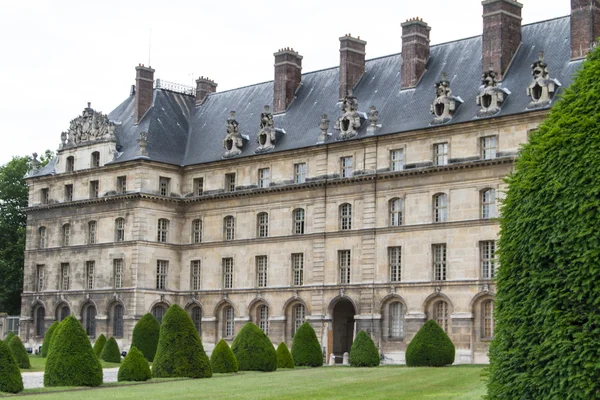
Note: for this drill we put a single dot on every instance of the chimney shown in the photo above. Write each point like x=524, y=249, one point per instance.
x=501, y=34
x=415, y=51
x=204, y=86
x=352, y=63
x=144, y=83
x=585, y=26
x=288, y=74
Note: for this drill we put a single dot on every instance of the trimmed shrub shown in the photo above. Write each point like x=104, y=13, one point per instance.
x=222, y=359
x=363, y=352
x=71, y=359
x=180, y=352
x=10, y=376
x=134, y=367
x=111, y=352
x=19, y=353
x=284, y=357
x=99, y=345
x=145, y=336
x=430, y=347
x=48, y=338
x=9, y=337
x=306, y=350
x=254, y=350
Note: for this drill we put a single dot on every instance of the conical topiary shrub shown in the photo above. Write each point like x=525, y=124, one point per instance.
x=430, y=347
x=145, y=336
x=134, y=367
x=19, y=353
x=71, y=359
x=111, y=352
x=99, y=345
x=222, y=359
x=284, y=357
x=180, y=352
x=254, y=350
x=10, y=376
x=306, y=350
x=48, y=338
x=8, y=337
x=363, y=352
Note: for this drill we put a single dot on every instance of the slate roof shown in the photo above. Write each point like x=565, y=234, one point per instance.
x=181, y=133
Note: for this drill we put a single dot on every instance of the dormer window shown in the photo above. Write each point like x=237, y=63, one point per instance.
x=95, y=163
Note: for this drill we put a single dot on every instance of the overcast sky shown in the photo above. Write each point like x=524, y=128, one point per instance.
x=58, y=55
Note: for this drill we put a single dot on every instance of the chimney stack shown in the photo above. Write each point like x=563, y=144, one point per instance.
x=501, y=34
x=204, y=86
x=585, y=26
x=288, y=75
x=352, y=63
x=144, y=88
x=415, y=51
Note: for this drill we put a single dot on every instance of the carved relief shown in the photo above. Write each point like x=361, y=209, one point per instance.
x=491, y=95
x=445, y=105
x=349, y=121
x=143, y=143
x=373, y=117
x=267, y=137
x=233, y=141
x=542, y=89
x=91, y=126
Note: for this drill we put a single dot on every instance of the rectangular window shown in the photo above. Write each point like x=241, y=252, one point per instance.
x=164, y=186
x=230, y=182
x=227, y=273
x=64, y=276
x=397, y=160
x=120, y=230
x=396, y=321
x=162, y=267
x=121, y=184
x=299, y=221
x=300, y=173
x=229, y=228
x=347, y=167
x=264, y=177
x=94, y=189
x=118, y=271
x=68, y=193
x=488, y=319
x=66, y=234
x=40, y=278
x=198, y=186
x=45, y=196
x=439, y=262
x=195, y=275
x=440, y=154
x=95, y=159
x=90, y=274
x=92, y=230
x=487, y=251
x=395, y=259
x=344, y=264
x=229, y=321
x=488, y=147
x=261, y=271
x=70, y=167
x=298, y=269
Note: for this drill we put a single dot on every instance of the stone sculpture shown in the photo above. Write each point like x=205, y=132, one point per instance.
x=349, y=121
x=445, y=105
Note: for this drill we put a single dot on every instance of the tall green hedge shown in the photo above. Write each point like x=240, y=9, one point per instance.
x=547, y=333
x=71, y=359
x=180, y=352
x=134, y=367
x=363, y=352
x=10, y=376
x=145, y=336
x=99, y=345
x=111, y=352
x=19, y=353
x=254, y=350
x=284, y=357
x=48, y=338
x=9, y=337
x=222, y=359
x=306, y=350
x=431, y=347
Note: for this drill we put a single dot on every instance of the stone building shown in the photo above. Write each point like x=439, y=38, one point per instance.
x=360, y=197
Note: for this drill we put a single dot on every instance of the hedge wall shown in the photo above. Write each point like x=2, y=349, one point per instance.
x=363, y=352
x=10, y=376
x=284, y=357
x=254, y=350
x=99, y=345
x=222, y=359
x=19, y=353
x=134, y=367
x=48, y=338
x=145, y=336
x=306, y=350
x=111, y=352
x=431, y=347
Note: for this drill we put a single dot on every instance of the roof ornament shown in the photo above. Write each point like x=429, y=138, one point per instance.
x=445, y=105
x=349, y=121
x=542, y=88
x=491, y=95
x=143, y=143
x=324, y=127
x=91, y=126
x=267, y=136
x=35, y=163
x=233, y=141
x=373, y=117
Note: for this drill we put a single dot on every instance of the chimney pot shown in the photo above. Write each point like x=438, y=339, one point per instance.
x=288, y=75
x=352, y=63
x=501, y=34
x=144, y=82
x=415, y=51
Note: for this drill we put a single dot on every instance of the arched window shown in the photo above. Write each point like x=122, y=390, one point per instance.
x=345, y=217
x=488, y=203
x=163, y=230
x=487, y=319
x=88, y=319
x=263, y=318
x=396, y=212
x=196, y=315
x=298, y=316
x=95, y=161
x=70, y=165
x=62, y=312
x=159, y=311
x=440, y=208
x=396, y=320
x=440, y=314
x=40, y=316
x=262, y=225
x=228, y=322
x=117, y=320
x=43, y=237
x=229, y=228
x=92, y=232
x=66, y=234
x=119, y=229
x=197, y=231
x=299, y=221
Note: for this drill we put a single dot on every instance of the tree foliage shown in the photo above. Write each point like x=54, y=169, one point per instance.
x=363, y=352
x=145, y=336
x=547, y=336
x=8, y=337
x=99, y=345
x=111, y=352
x=253, y=350
x=222, y=359
x=306, y=350
x=48, y=339
x=134, y=367
x=284, y=357
x=431, y=347
x=19, y=352
x=10, y=376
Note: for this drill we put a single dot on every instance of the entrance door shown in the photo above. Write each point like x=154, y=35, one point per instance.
x=343, y=328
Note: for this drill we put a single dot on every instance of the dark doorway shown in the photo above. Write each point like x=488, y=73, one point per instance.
x=343, y=328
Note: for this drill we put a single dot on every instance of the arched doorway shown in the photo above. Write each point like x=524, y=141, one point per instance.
x=343, y=327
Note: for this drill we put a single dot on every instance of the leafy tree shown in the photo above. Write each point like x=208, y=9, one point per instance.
x=284, y=357
x=546, y=343
x=363, y=352
x=431, y=347
x=222, y=359
x=8, y=337
x=111, y=352
x=306, y=350
x=48, y=338
x=254, y=350
x=145, y=336
x=99, y=345
x=134, y=367
x=10, y=375
x=19, y=352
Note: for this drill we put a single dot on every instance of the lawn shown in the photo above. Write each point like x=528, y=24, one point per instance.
x=39, y=363
x=389, y=382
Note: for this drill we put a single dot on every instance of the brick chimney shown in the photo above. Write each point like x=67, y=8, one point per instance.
x=501, y=34
x=144, y=86
x=204, y=86
x=415, y=51
x=585, y=26
x=352, y=63
x=288, y=75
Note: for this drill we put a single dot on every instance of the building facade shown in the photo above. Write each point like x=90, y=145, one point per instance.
x=361, y=197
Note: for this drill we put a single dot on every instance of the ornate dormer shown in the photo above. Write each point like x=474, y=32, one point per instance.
x=491, y=95
x=373, y=118
x=90, y=127
x=267, y=136
x=233, y=141
x=542, y=89
x=324, y=127
x=349, y=121
x=445, y=105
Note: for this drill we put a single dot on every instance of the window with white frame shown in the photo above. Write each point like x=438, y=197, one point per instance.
x=262, y=225
x=119, y=229
x=40, y=277
x=195, y=274
x=440, y=154
x=229, y=322
x=440, y=208
x=397, y=160
x=197, y=231
x=263, y=318
x=230, y=182
x=345, y=217
x=298, y=221
x=118, y=272
x=488, y=203
x=68, y=192
x=347, y=167
x=95, y=161
x=198, y=186
x=64, y=276
x=164, y=186
x=439, y=262
x=261, y=271
x=297, y=269
x=395, y=261
x=299, y=315
x=344, y=266
x=121, y=184
x=43, y=237
x=66, y=231
x=227, y=273
x=229, y=228
x=487, y=319
x=487, y=251
x=440, y=314
x=396, y=320
x=264, y=177
x=300, y=173
x=45, y=196
x=162, y=269
x=92, y=232
x=488, y=147
x=90, y=274
x=396, y=212
x=94, y=189
x=163, y=230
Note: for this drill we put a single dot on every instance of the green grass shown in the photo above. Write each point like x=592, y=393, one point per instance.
x=39, y=363
x=390, y=382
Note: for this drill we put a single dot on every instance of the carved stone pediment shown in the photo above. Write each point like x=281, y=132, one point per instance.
x=542, y=88
x=233, y=141
x=267, y=136
x=445, y=105
x=90, y=126
x=349, y=122
x=491, y=95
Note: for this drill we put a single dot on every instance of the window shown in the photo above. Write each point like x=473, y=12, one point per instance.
x=439, y=262
x=164, y=186
x=488, y=147
x=195, y=275
x=345, y=217
x=43, y=237
x=229, y=228
x=90, y=274
x=440, y=314
x=396, y=320
x=263, y=318
x=440, y=208
x=198, y=186
x=262, y=225
x=229, y=322
x=40, y=280
x=119, y=229
x=118, y=321
x=197, y=231
x=162, y=267
x=163, y=230
x=230, y=182
x=396, y=160
x=227, y=273
x=299, y=221
x=487, y=252
x=487, y=318
x=261, y=271
x=121, y=184
x=118, y=272
x=488, y=203
x=64, y=276
x=95, y=162
x=92, y=232
x=299, y=314
x=40, y=316
x=298, y=269
x=70, y=166
x=45, y=196
x=89, y=320
x=396, y=212
x=395, y=258
x=63, y=312
x=347, y=167
x=68, y=193
x=66, y=231
x=440, y=154
x=94, y=189
x=264, y=178
x=196, y=315
x=159, y=312
x=344, y=263
x=300, y=173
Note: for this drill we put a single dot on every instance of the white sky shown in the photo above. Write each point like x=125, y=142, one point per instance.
x=57, y=55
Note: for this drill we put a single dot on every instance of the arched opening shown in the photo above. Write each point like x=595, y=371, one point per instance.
x=196, y=316
x=39, y=317
x=62, y=312
x=159, y=312
x=88, y=319
x=343, y=328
